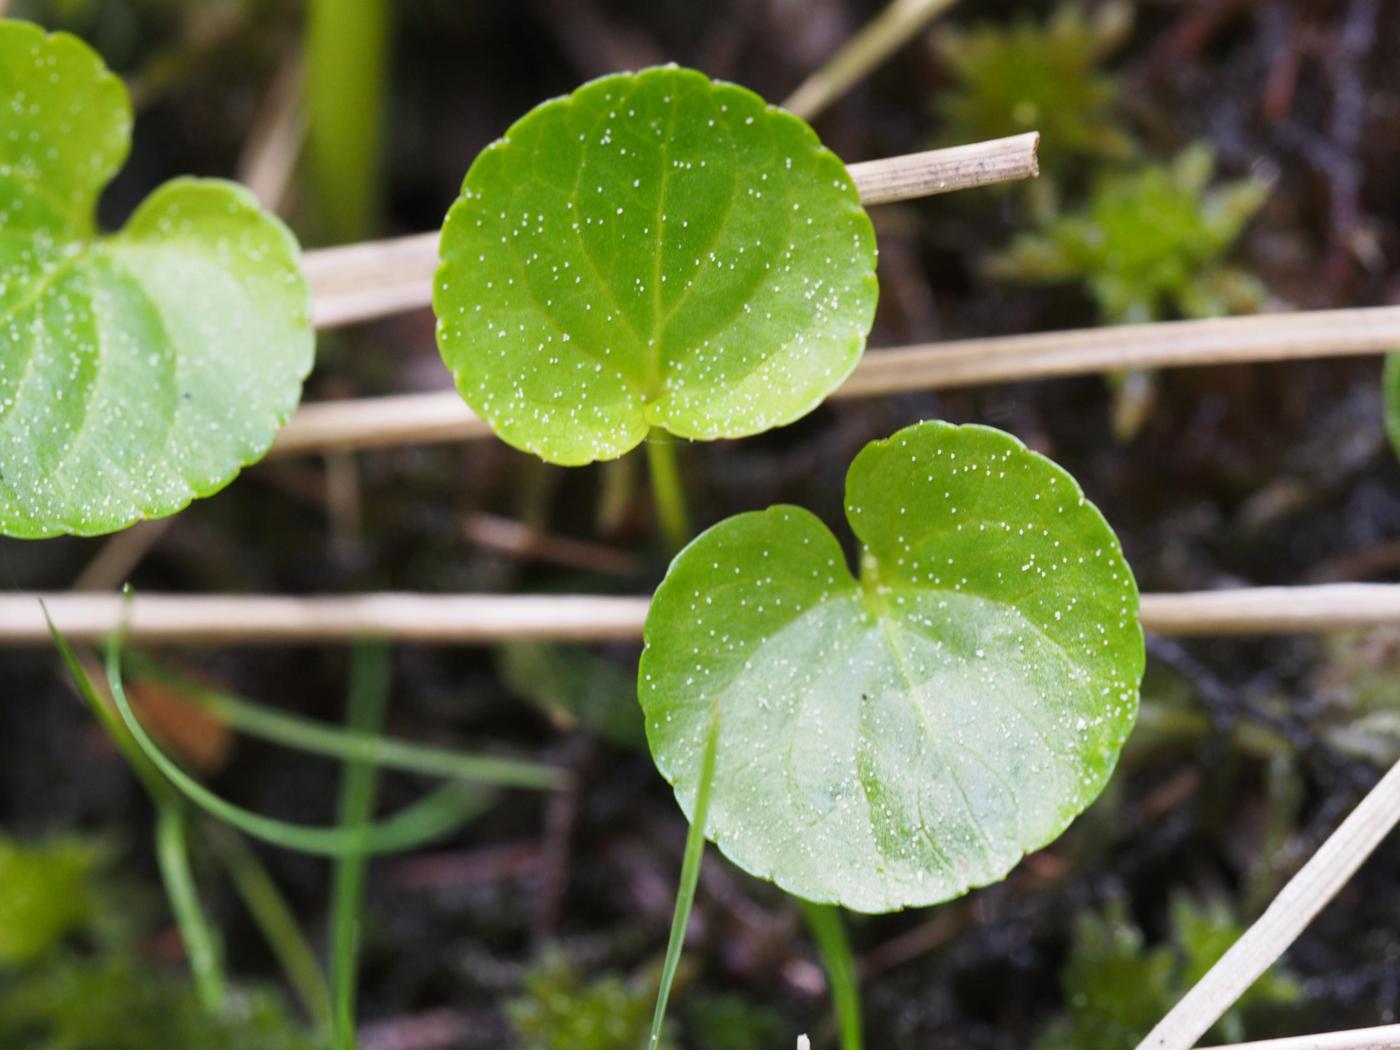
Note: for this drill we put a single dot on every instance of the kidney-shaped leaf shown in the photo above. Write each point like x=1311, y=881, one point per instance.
x=895, y=740
x=140, y=370
x=656, y=249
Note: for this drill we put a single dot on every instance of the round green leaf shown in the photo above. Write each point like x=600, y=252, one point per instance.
x=656, y=249
x=896, y=740
x=143, y=369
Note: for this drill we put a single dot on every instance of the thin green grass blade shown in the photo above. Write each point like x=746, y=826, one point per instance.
x=274, y=919
x=250, y=879
x=438, y=814
x=156, y=785
x=690, y=877
x=278, y=727
x=824, y=920
x=369, y=698
x=202, y=946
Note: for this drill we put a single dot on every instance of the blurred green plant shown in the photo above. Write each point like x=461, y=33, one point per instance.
x=1116, y=988
x=1150, y=244
x=1359, y=686
x=47, y=893
x=1031, y=77
x=559, y=1010
x=347, y=49
x=73, y=977
x=574, y=687
x=119, y=1002
x=734, y=1023
x=1390, y=400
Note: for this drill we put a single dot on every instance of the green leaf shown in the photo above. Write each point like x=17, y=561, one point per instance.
x=656, y=249
x=143, y=369
x=895, y=740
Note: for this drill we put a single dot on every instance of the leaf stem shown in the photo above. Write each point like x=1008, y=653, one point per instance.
x=667, y=491
x=369, y=696
x=346, y=55
x=690, y=878
x=824, y=920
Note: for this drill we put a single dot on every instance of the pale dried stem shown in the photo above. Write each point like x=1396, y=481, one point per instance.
x=945, y=170
x=1386, y=1037
x=467, y=619
x=274, y=143
x=357, y=282
x=119, y=556
x=1316, y=883
x=442, y=416
x=881, y=37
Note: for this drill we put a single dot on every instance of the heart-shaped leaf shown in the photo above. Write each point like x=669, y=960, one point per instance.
x=895, y=740
x=656, y=249
x=140, y=370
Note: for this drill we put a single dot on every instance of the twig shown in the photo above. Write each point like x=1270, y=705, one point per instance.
x=1171, y=344
x=1326, y=872
x=481, y=618
x=442, y=416
x=245, y=619
x=118, y=557
x=1386, y=1037
x=944, y=170
x=356, y=282
x=519, y=540
x=1272, y=610
x=886, y=33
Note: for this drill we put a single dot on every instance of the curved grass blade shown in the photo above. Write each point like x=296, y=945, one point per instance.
x=435, y=816
x=293, y=731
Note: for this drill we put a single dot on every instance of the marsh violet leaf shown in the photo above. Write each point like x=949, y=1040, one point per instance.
x=896, y=739
x=655, y=250
x=138, y=370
